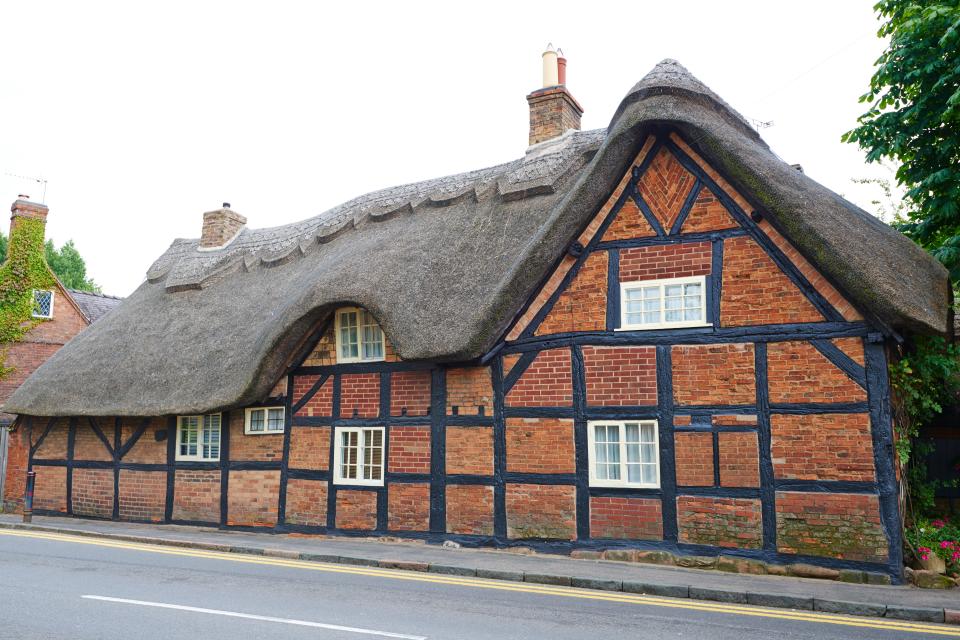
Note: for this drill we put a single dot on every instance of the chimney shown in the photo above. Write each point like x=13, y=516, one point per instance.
x=23, y=209
x=220, y=227
x=553, y=110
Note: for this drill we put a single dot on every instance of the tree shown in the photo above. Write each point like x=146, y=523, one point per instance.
x=914, y=119
x=66, y=262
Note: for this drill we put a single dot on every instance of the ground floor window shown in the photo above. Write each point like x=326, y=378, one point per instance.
x=198, y=437
x=358, y=456
x=623, y=453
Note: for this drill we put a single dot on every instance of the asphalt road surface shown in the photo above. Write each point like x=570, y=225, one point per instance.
x=55, y=586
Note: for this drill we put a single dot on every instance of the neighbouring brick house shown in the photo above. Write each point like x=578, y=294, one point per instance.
x=656, y=336
x=61, y=313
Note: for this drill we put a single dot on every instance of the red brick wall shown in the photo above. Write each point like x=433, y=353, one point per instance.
x=617, y=376
x=833, y=525
x=360, y=395
x=50, y=490
x=714, y=374
x=664, y=187
x=541, y=511
x=252, y=498
x=799, y=373
x=468, y=389
x=739, y=459
x=54, y=446
x=755, y=291
x=143, y=495
x=356, y=509
x=410, y=393
x=722, y=522
x=16, y=474
x=470, y=450
x=146, y=450
x=310, y=448
x=24, y=358
x=408, y=507
x=629, y=223
x=409, y=450
x=583, y=304
x=307, y=502
x=321, y=403
x=264, y=447
x=627, y=518
x=93, y=492
x=469, y=509
x=707, y=214
x=826, y=446
x=540, y=445
x=694, y=458
x=547, y=382
x=196, y=495
x=87, y=446
x=853, y=347
x=665, y=261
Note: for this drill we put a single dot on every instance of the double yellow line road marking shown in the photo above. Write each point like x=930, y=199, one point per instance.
x=883, y=624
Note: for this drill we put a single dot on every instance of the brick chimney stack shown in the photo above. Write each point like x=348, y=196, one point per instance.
x=553, y=110
x=220, y=227
x=23, y=209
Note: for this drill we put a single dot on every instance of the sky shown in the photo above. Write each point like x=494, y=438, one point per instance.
x=140, y=117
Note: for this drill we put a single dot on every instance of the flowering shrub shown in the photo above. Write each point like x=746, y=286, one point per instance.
x=936, y=537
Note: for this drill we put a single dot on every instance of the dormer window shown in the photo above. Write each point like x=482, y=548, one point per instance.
x=359, y=338
x=42, y=303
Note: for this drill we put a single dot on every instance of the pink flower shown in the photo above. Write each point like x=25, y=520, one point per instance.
x=924, y=556
x=956, y=556
x=945, y=545
x=939, y=524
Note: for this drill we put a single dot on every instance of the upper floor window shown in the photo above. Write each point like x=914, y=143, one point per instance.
x=359, y=338
x=198, y=437
x=42, y=303
x=623, y=453
x=263, y=420
x=661, y=304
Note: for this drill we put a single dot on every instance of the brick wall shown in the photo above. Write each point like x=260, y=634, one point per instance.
x=714, y=374
x=356, y=509
x=196, y=495
x=629, y=223
x=694, y=459
x=722, y=522
x=143, y=495
x=756, y=291
x=707, y=214
x=798, y=372
x=470, y=450
x=16, y=473
x=739, y=459
x=50, y=490
x=665, y=261
x=306, y=502
x=310, y=448
x=252, y=498
x=263, y=447
x=360, y=395
x=87, y=446
x=546, y=382
x=853, y=347
x=321, y=403
x=409, y=450
x=54, y=446
x=827, y=446
x=469, y=389
x=469, y=509
x=541, y=511
x=626, y=518
x=147, y=450
x=664, y=187
x=583, y=304
x=410, y=393
x=408, y=507
x=617, y=376
x=540, y=445
x=93, y=492
x=833, y=525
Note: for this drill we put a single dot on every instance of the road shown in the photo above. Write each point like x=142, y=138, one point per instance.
x=54, y=586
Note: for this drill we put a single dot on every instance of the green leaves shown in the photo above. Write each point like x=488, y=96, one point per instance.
x=66, y=262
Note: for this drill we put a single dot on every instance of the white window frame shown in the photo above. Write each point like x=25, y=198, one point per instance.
x=622, y=481
x=663, y=283
x=361, y=442
x=198, y=456
x=53, y=296
x=266, y=414
x=359, y=358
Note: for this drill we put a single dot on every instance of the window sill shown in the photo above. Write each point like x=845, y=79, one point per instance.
x=263, y=433
x=655, y=327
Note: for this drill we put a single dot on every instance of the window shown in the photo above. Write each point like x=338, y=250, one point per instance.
x=358, y=457
x=359, y=338
x=659, y=304
x=624, y=454
x=42, y=303
x=198, y=437
x=263, y=420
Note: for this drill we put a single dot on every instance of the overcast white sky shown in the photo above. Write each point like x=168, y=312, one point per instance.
x=141, y=117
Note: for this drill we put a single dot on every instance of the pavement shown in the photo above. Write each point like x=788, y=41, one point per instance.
x=878, y=601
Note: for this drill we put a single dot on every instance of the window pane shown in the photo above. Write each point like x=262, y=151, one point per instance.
x=348, y=455
x=275, y=420
x=649, y=473
x=42, y=304
x=607, y=452
x=256, y=420
x=189, y=427
x=673, y=290
x=349, y=347
x=211, y=437
x=372, y=454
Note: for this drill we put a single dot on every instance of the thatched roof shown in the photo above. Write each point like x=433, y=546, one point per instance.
x=445, y=264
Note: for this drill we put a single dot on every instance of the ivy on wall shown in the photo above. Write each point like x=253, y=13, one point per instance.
x=24, y=270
